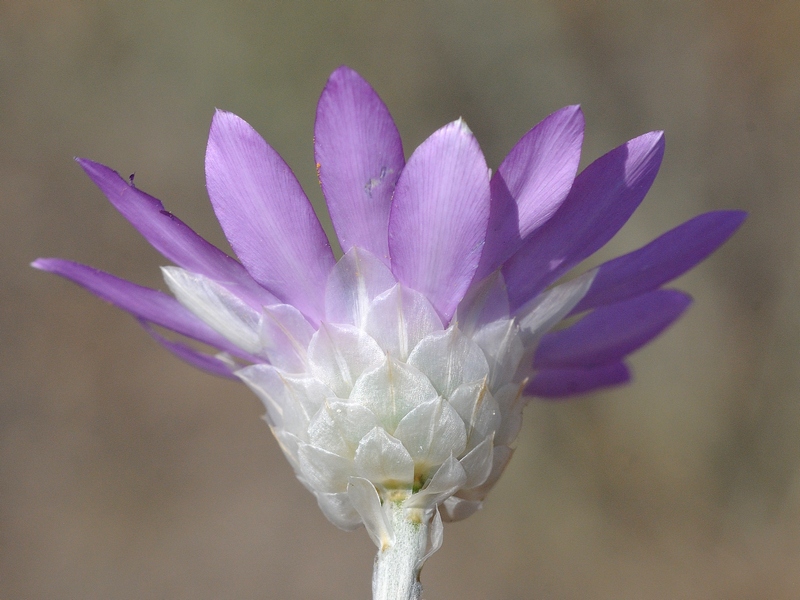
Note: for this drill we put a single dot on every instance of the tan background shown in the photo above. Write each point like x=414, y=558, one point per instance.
x=125, y=474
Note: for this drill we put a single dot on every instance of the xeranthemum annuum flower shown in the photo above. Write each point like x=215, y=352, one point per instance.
x=398, y=374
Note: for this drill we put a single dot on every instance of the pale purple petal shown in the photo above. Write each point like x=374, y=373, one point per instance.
x=201, y=360
x=172, y=237
x=438, y=220
x=661, y=260
x=267, y=218
x=611, y=332
x=560, y=383
x=359, y=158
x=531, y=184
x=601, y=200
x=145, y=303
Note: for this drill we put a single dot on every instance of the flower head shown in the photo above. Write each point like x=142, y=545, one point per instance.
x=399, y=372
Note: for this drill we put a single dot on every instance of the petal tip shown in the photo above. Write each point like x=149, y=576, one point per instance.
x=682, y=299
x=673, y=303
x=667, y=300
x=573, y=110
x=462, y=126
x=94, y=169
x=343, y=71
x=736, y=217
x=727, y=222
x=43, y=264
x=223, y=118
x=578, y=113
x=658, y=137
x=650, y=142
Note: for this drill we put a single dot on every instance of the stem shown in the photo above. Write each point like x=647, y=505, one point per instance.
x=397, y=566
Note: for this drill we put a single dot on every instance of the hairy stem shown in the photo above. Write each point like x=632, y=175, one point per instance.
x=397, y=565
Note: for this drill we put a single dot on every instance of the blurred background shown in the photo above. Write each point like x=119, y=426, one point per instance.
x=126, y=474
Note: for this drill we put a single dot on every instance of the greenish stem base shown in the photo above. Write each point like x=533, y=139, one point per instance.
x=397, y=566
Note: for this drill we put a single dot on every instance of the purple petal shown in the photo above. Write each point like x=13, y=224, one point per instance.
x=173, y=238
x=661, y=260
x=267, y=218
x=145, y=303
x=560, y=383
x=359, y=158
x=201, y=360
x=601, y=200
x=438, y=219
x=610, y=333
x=531, y=184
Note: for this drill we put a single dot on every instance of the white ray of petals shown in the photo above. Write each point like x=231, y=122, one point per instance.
x=285, y=334
x=449, y=358
x=384, y=460
x=325, y=471
x=547, y=309
x=432, y=432
x=216, y=306
x=339, y=354
x=478, y=409
x=477, y=463
x=391, y=391
x=339, y=510
x=357, y=278
x=399, y=318
x=449, y=478
x=366, y=501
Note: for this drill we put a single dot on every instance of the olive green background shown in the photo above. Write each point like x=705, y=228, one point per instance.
x=125, y=474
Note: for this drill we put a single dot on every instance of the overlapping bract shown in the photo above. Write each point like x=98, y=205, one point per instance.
x=399, y=373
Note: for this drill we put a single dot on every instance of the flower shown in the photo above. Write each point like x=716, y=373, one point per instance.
x=398, y=373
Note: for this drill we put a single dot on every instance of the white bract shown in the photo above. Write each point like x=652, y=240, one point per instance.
x=381, y=402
